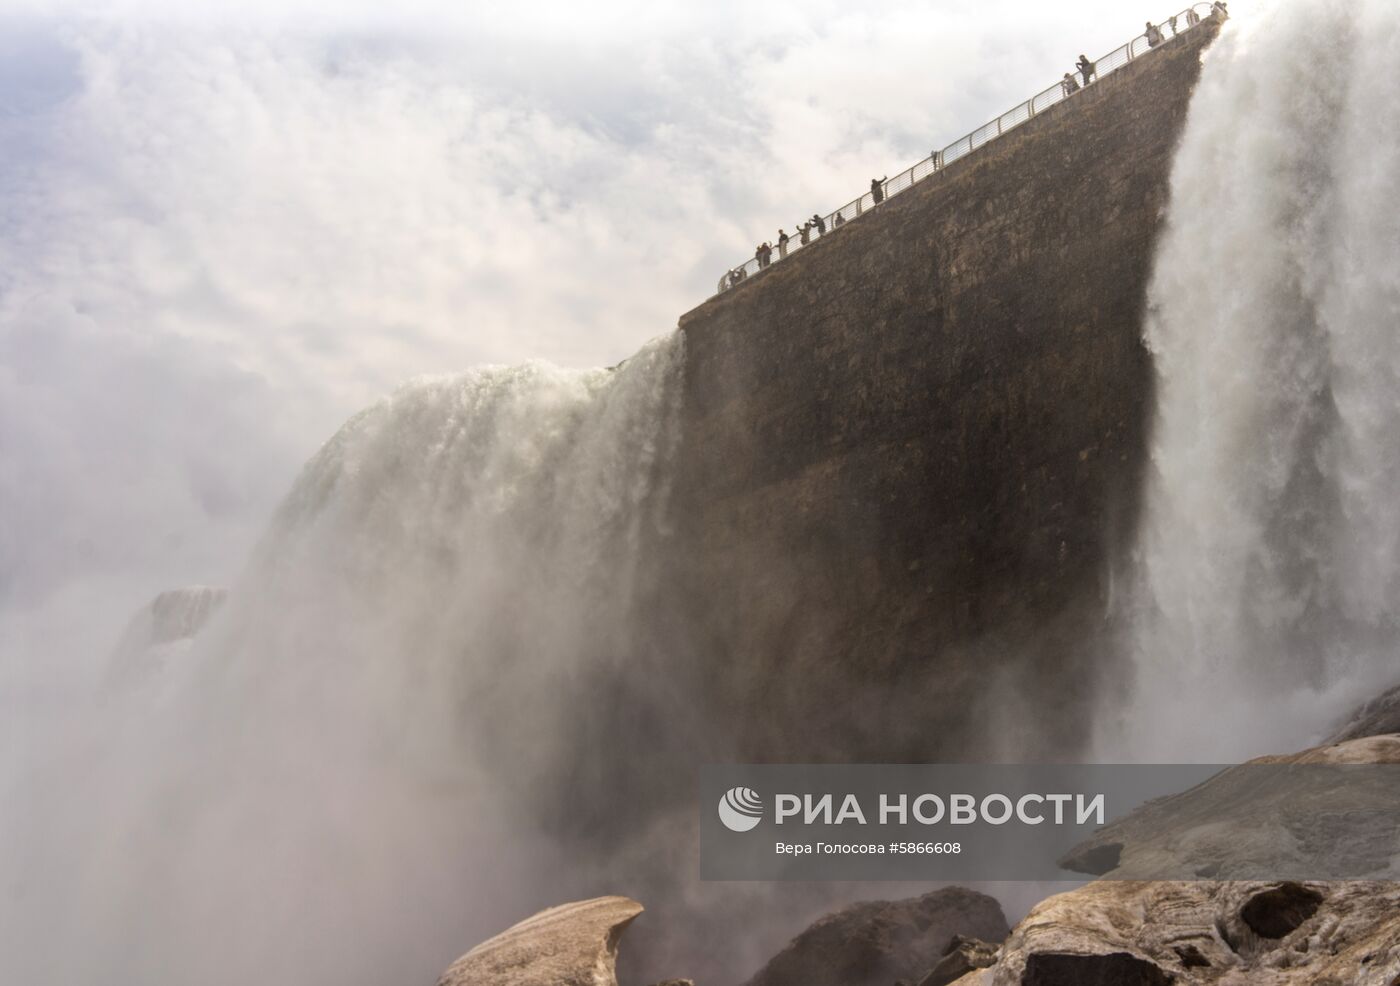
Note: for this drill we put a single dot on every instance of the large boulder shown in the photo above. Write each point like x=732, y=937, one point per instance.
x=1262, y=819
x=569, y=945
x=1119, y=933
x=876, y=943
x=1216, y=932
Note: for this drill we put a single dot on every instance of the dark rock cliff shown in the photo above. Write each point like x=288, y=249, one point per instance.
x=913, y=451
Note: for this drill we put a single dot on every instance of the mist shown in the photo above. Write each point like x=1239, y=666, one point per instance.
x=1267, y=570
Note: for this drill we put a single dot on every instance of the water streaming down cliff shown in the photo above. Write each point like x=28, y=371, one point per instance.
x=365, y=761
x=470, y=542
x=1267, y=590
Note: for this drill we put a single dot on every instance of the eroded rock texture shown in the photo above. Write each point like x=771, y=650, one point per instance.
x=1217, y=933
x=1212, y=934
x=569, y=945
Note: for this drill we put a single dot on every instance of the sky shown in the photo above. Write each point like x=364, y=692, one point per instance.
x=221, y=233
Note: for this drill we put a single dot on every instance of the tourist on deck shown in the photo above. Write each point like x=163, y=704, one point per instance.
x=804, y=233
x=877, y=189
x=1086, y=68
x=761, y=255
x=838, y=220
x=819, y=223
x=1218, y=9
x=1154, y=35
x=1068, y=84
x=1192, y=18
x=782, y=244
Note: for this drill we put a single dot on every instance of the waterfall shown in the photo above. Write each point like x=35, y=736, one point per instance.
x=364, y=762
x=1267, y=572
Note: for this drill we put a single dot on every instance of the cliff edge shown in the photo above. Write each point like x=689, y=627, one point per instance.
x=913, y=451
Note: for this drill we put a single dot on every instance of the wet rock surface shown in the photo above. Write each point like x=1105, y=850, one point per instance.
x=1262, y=819
x=1377, y=717
x=569, y=945
x=876, y=943
x=962, y=956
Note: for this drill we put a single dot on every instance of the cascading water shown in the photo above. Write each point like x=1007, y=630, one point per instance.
x=1267, y=589
x=365, y=762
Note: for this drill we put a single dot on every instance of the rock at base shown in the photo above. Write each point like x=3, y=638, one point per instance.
x=962, y=956
x=569, y=945
x=876, y=943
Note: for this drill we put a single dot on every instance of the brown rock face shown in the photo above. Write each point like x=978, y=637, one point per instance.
x=569, y=945
x=912, y=448
x=876, y=943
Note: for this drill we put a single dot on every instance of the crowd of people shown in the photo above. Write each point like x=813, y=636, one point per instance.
x=1084, y=68
x=1154, y=35
x=807, y=231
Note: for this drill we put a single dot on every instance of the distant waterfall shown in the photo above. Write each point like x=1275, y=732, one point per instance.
x=471, y=542
x=1268, y=567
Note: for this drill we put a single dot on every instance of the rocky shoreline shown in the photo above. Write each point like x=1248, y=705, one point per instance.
x=1112, y=932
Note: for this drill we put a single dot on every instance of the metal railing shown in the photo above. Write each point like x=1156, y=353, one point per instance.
x=963, y=146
